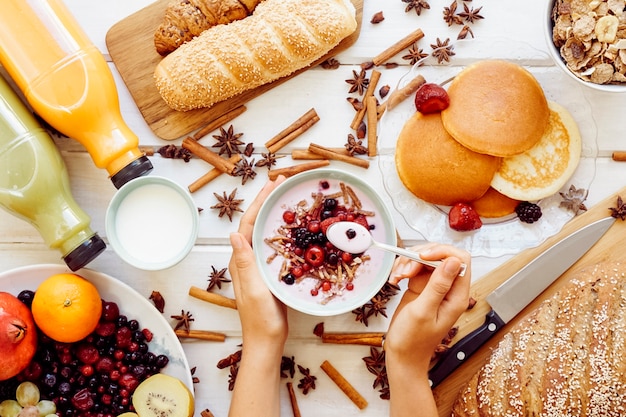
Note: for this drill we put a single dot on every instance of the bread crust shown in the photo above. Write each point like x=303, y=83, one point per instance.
x=567, y=358
x=279, y=38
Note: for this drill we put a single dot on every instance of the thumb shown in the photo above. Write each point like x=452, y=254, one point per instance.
x=440, y=283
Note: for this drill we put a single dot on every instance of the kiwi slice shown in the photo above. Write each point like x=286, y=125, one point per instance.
x=163, y=395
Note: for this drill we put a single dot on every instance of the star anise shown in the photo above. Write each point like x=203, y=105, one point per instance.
x=375, y=364
x=216, y=278
x=287, y=367
x=184, y=320
x=228, y=205
x=228, y=141
x=249, y=149
x=158, y=300
x=574, y=199
x=358, y=82
x=377, y=305
x=354, y=146
x=245, y=170
x=194, y=378
x=416, y=5
x=620, y=210
x=232, y=376
x=174, y=152
x=268, y=160
x=466, y=30
x=330, y=63
x=307, y=382
x=442, y=50
x=450, y=16
x=229, y=360
x=470, y=14
x=415, y=54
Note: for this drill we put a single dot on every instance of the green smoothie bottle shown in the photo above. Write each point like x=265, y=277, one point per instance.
x=34, y=184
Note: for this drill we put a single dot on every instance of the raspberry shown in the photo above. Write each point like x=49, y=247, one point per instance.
x=528, y=212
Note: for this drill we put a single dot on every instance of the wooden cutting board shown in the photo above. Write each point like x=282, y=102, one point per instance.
x=609, y=248
x=131, y=45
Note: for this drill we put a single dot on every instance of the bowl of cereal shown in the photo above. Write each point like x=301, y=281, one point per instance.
x=299, y=265
x=587, y=40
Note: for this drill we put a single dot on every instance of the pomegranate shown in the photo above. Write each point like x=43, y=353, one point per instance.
x=18, y=336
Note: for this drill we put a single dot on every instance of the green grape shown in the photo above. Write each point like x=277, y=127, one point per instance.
x=9, y=408
x=27, y=393
x=46, y=407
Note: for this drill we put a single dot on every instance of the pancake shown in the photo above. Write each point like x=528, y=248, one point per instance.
x=436, y=168
x=542, y=170
x=494, y=204
x=497, y=108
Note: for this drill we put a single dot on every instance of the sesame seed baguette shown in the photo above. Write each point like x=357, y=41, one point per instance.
x=565, y=359
x=279, y=38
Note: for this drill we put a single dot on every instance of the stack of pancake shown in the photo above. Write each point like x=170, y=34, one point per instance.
x=499, y=142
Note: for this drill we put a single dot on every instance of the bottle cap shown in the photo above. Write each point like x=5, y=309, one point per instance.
x=137, y=168
x=85, y=252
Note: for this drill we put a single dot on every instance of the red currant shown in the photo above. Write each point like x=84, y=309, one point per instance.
x=326, y=286
x=297, y=271
x=349, y=286
x=314, y=292
x=289, y=216
x=346, y=257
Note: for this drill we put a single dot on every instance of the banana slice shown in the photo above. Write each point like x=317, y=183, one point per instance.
x=163, y=395
x=606, y=28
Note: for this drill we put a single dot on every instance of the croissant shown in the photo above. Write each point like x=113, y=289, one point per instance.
x=279, y=38
x=567, y=358
x=186, y=19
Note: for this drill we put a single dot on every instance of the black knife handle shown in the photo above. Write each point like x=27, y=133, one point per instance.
x=464, y=348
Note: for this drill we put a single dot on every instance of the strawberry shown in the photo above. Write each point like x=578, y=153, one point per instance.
x=431, y=98
x=362, y=220
x=463, y=218
x=325, y=224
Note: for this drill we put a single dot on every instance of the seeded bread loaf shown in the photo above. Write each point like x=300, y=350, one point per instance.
x=567, y=358
x=183, y=20
x=279, y=38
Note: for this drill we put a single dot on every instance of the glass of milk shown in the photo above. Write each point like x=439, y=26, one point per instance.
x=152, y=223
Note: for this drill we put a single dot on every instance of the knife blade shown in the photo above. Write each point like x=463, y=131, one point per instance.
x=513, y=295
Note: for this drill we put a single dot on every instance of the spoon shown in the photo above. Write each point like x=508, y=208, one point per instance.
x=353, y=237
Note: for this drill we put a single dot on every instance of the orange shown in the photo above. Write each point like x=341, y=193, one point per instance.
x=66, y=307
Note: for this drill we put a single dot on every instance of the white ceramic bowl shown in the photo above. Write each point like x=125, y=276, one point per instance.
x=558, y=60
x=370, y=276
x=152, y=223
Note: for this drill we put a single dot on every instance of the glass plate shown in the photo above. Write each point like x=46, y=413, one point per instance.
x=130, y=302
x=505, y=235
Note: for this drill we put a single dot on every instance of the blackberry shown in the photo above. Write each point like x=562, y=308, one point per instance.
x=528, y=212
x=302, y=237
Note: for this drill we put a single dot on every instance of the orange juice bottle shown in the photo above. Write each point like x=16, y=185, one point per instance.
x=34, y=184
x=67, y=81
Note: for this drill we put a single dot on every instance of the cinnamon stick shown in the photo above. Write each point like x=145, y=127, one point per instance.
x=291, y=132
x=372, y=128
x=619, y=156
x=210, y=176
x=208, y=155
x=201, y=335
x=398, y=96
x=293, y=400
x=344, y=385
x=368, y=339
x=398, y=47
x=371, y=87
x=212, y=298
x=222, y=120
x=329, y=154
x=296, y=169
x=305, y=154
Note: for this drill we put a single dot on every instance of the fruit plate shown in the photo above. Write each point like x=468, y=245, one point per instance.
x=369, y=277
x=506, y=235
x=130, y=302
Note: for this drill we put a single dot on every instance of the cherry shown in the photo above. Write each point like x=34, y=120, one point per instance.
x=314, y=255
x=110, y=311
x=297, y=271
x=289, y=216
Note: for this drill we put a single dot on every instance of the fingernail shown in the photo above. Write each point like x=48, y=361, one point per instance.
x=236, y=240
x=451, y=267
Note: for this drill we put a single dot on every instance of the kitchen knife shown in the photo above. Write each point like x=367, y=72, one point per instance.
x=518, y=291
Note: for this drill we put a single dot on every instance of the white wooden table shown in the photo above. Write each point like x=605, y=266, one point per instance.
x=325, y=90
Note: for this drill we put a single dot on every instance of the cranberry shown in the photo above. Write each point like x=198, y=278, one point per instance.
x=128, y=381
x=314, y=255
x=289, y=216
x=105, y=328
x=147, y=334
x=110, y=311
x=83, y=400
x=123, y=337
x=87, y=354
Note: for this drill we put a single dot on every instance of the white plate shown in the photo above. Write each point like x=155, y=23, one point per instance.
x=130, y=302
x=503, y=236
x=370, y=277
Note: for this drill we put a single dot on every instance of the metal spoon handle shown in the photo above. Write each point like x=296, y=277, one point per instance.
x=411, y=255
